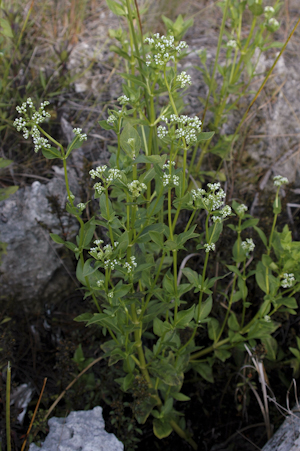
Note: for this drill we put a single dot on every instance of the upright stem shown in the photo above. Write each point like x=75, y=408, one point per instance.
x=7, y=407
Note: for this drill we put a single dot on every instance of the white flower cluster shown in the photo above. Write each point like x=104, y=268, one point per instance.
x=288, y=280
x=81, y=206
x=163, y=50
x=168, y=163
x=162, y=131
x=279, y=180
x=104, y=255
x=114, y=174
x=269, y=10
x=248, y=246
x=197, y=194
x=241, y=209
x=169, y=179
x=98, y=172
x=136, y=187
x=212, y=201
x=130, y=266
x=32, y=120
x=100, y=283
x=188, y=127
x=226, y=211
x=38, y=141
x=123, y=100
x=209, y=247
x=273, y=23
x=184, y=79
x=81, y=136
x=99, y=188
x=111, y=119
x=231, y=44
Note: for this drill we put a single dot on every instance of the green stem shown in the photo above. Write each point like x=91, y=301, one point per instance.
x=7, y=407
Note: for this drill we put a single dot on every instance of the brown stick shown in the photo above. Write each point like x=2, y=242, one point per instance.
x=34, y=414
x=70, y=385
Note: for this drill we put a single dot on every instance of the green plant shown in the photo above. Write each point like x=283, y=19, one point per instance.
x=136, y=273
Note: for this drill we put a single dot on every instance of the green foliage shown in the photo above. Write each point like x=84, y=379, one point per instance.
x=131, y=274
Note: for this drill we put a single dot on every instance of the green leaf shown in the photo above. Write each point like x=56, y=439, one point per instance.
x=154, y=159
x=161, y=429
x=260, y=276
x=166, y=372
x=127, y=383
x=87, y=268
x=51, y=153
x=205, y=310
x=256, y=9
x=106, y=321
x=145, y=407
x=88, y=232
x=192, y=276
x=180, y=397
x=116, y=8
x=79, y=272
x=204, y=370
x=57, y=239
x=134, y=79
x=271, y=346
x=105, y=125
x=5, y=29
x=204, y=136
x=233, y=322
x=4, y=162
x=213, y=329
x=129, y=133
x=249, y=223
x=5, y=193
x=184, y=318
x=160, y=328
x=222, y=354
x=83, y=317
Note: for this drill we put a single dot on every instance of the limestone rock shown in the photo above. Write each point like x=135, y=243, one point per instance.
x=82, y=430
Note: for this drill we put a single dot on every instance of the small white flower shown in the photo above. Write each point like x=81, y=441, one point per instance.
x=123, y=100
x=267, y=318
x=114, y=174
x=161, y=132
x=279, y=180
x=248, y=246
x=184, y=79
x=81, y=136
x=99, y=188
x=98, y=172
x=136, y=187
x=288, y=280
x=269, y=9
x=232, y=44
x=111, y=119
x=241, y=209
x=81, y=206
x=167, y=164
x=209, y=247
x=273, y=23
x=100, y=283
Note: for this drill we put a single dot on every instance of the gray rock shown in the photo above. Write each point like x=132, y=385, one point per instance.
x=287, y=438
x=82, y=431
x=32, y=268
